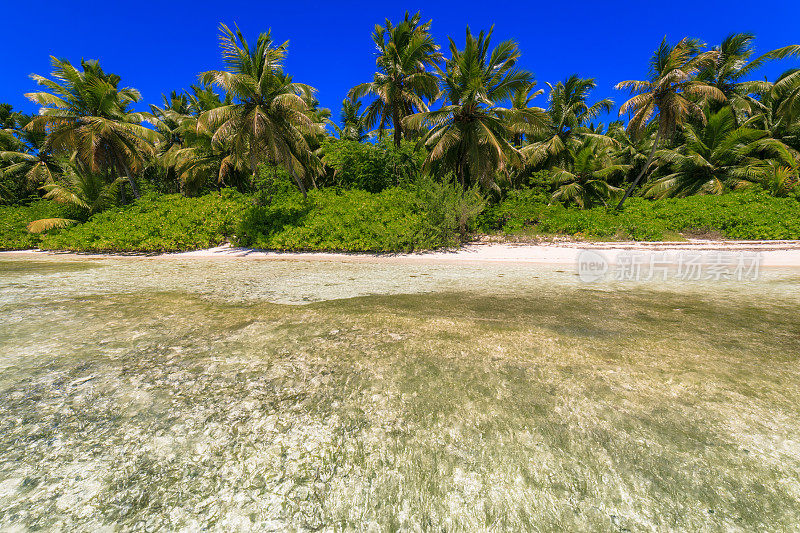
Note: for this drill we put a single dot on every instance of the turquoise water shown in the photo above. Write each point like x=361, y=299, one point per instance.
x=246, y=394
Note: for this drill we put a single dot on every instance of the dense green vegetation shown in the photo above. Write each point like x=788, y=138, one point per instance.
x=742, y=215
x=14, y=221
x=371, y=167
x=420, y=216
x=707, y=147
x=166, y=223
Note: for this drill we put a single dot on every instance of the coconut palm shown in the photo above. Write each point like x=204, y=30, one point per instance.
x=469, y=135
x=87, y=114
x=353, y=127
x=186, y=151
x=569, y=114
x=584, y=180
x=770, y=107
x=787, y=90
x=671, y=96
x=86, y=192
x=169, y=119
x=733, y=63
x=24, y=156
x=270, y=116
x=403, y=82
x=718, y=157
x=632, y=151
x=781, y=178
x=521, y=101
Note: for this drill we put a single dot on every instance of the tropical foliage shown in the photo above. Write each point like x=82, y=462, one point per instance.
x=88, y=117
x=700, y=122
x=469, y=134
x=271, y=117
x=403, y=81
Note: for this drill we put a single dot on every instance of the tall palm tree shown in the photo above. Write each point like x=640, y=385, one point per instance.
x=718, y=157
x=270, y=116
x=671, y=95
x=186, y=152
x=87, y=114
x=733, y=63
x=470, y=132
x=521, y=101
x=403, y=82
x=771, y=107
x=569, y=114
x=23, y=155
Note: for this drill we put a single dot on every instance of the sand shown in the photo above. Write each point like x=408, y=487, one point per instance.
x=772, y=253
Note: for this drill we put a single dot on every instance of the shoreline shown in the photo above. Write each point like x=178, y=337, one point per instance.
x=773, y=253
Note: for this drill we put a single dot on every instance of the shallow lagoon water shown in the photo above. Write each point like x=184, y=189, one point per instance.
x=273, y=395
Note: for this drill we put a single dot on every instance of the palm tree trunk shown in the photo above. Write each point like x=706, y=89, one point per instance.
x=632, y=186
x=398, y=131
x=134, y=188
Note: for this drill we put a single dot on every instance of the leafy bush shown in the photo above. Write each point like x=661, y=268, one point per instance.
x=425, y=215
x=15, y=189
x=14, y=220
x=168, y=223
x=748, y=215
x=371, y=167
x=519, y=209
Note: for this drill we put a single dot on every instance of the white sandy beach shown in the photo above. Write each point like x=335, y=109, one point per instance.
x=772, y=253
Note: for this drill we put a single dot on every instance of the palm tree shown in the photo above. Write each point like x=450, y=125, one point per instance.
x=584, y=180
x=732, y=64
x=270, y=116
x=86, y=192
x=670, y=96
x=787, y=90
x=353, y=127
x=186, y=151
x=169, y=118
x=402, y=82
x=470, y=132
x=770, y=107
x=569, y=114
x=718, y=157
x=86, y=114
x=24, y=155
x=521, y=101
x=632, y=151
x=781, y=178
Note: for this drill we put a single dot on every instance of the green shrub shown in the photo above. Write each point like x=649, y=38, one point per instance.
x=153, y=224
x=14, y=220
x=422, y=216
x=747, y=215
x=519, y=209
x=371, y=167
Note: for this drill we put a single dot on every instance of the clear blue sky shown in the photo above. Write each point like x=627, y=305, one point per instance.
x=157, y=46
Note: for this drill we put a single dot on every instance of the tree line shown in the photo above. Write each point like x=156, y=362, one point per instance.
x=699, y=122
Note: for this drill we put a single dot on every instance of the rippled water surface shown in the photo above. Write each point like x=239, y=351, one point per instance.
x=187, y=394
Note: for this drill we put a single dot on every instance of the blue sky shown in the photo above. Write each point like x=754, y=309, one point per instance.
x=160, y=46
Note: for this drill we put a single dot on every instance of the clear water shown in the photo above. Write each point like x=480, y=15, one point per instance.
x=273, y=395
